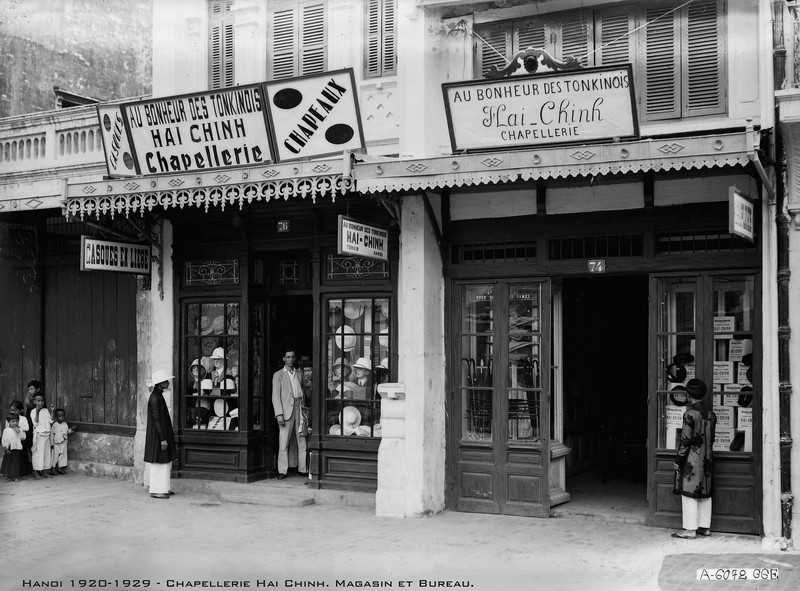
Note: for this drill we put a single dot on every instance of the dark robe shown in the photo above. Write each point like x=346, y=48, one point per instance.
x=159, y=428
x=695, y=453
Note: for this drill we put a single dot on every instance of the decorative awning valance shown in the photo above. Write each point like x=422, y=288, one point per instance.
x=557, y=162
x=222, y=188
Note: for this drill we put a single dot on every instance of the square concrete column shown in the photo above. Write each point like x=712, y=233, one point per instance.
x=390, y=498
x=421, y=360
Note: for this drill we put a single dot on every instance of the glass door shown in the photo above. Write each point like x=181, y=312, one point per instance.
x=502, y=426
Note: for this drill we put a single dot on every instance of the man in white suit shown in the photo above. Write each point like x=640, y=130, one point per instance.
x=287, y=398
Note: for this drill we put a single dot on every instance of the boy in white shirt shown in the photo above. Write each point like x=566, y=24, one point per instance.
x=12, y=440
x=59, y=433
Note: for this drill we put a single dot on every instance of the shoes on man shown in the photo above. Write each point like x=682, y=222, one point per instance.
x=52, y=472
x=159, y=495
x=43, y=474
x=685, y=534
x=36, y=475
x=61, y=471
x=281, y=476
x=170, y=493
x=703, y=531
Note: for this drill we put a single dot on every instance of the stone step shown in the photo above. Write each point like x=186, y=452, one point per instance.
x=272, y=499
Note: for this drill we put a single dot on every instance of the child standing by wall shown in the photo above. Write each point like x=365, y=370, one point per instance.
x=24, y=426
x=60, y=431
x=12, y=442
x=41, y=421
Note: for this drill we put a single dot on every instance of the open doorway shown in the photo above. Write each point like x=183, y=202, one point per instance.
x=605, y=344
x=291, y=324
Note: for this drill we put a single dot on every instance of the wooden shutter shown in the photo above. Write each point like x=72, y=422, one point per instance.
x=380, y=55
x=495, y=49
x=313, y=38
x=574, y=38
x=531, y=33
x=614, y=41
x=661, y=67
x=284, y=42
x=703, y=72
x=220, y=44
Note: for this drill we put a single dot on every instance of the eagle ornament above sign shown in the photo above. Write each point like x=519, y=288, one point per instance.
x=568, y=104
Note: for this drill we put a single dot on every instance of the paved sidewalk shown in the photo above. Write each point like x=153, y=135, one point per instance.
x=82, y=532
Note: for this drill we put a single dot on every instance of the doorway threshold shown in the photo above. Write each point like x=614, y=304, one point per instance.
x=617, y=500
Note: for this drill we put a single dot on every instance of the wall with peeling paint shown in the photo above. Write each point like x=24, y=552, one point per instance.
x=96, y=48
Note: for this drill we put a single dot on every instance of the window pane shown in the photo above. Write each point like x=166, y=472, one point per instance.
x=477, y=371
x=524, y=363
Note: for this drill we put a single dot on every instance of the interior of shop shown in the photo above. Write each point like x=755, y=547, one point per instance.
x=605, y=349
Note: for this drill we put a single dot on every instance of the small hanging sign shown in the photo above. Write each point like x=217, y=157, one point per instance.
x=102, y=255
x=741, y=213
x=360, y=239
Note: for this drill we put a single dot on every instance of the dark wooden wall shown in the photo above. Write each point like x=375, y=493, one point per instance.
x=90, y=344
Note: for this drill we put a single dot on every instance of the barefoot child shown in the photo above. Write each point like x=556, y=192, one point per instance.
x=12, y=442
x=60, y=432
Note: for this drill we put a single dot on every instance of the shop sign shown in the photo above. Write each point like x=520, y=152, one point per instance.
x=741, y=213
x=198, y=132
x=314, y=115
x=360, y=239
x=117, y=147
x=102, y=255
x=573, y=106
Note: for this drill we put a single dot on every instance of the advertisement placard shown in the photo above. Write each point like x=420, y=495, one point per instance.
x=741, y=214
x=116, y=145
x=360, y=239
x=553, y=108
x=198, y=132
x=124, y=257
x=315, y=115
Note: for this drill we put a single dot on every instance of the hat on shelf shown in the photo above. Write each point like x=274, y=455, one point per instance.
x=363, y=363
x=384, y=364
x=676, y=373
x=219, y=353
x=683, y=358
x=678, y=396
x=206, y=386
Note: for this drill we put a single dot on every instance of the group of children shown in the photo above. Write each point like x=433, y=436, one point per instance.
x=34, y=438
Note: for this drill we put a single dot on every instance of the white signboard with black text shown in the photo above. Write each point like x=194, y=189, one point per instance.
x=561, y=107
x=741, y=214
x=315, y=115
x=216, y=129
x=359, y=239
x=117, y=148
x=102, y=255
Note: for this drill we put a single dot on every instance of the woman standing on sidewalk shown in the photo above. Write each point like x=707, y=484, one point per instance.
x=159, y=445
x=694, y=464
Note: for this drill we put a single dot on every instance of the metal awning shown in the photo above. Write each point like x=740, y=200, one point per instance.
x=219, y=188
x=675, y=153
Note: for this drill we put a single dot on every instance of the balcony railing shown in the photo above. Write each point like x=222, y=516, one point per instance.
x=49, y=141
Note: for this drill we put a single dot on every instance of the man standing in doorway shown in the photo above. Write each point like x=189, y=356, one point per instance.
x=287, y=400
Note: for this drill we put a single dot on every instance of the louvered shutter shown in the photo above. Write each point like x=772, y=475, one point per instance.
x=284, y=42
x=220, y=44
x=661, y=68
x=703, y=39
x=313, y=38
x=372, y=57
x=389, y=37
x=614, y=39
x=575, y=38
x=494, y=49
x=530, y=33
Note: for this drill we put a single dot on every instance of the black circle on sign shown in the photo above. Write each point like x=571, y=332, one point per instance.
x=288, y=98
x=341, y=133
x=127, y=159
x=107, y=122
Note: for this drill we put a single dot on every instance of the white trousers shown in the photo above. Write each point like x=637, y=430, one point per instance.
x=60, y=455
x=160, y=478
x=696, y=513
x=290, y=433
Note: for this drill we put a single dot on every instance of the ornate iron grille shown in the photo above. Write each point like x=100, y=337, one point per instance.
x=225, y=272
x=342, y=267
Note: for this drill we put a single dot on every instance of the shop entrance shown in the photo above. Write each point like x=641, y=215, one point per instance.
x=291, y=324
x=605, y=393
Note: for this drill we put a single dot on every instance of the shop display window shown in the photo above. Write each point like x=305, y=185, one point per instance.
x=358, y=358
x=524, y=363
x=212, y=365
x=477, y=365
x=257, y=361
x=685, y=336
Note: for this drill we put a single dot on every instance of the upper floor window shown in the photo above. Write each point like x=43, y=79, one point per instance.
x=299, y=40
x=380, y=55
x=220, y=43
x=677, y=50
